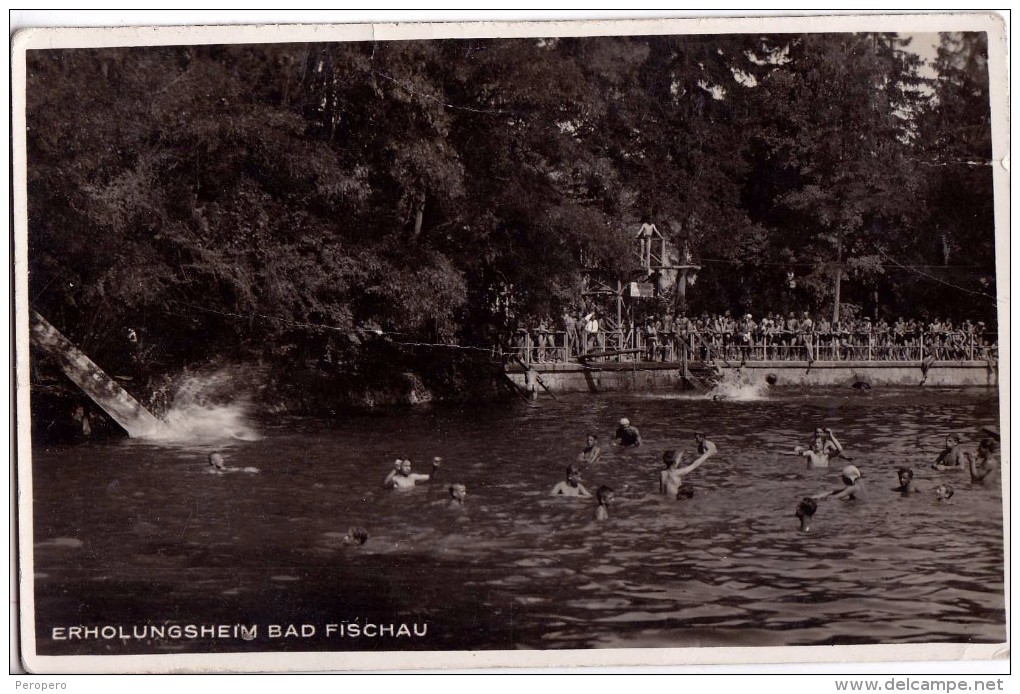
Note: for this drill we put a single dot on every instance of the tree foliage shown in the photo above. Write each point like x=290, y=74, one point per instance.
x=292, y=202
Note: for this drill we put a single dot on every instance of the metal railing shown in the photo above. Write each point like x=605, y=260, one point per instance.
x=630, y=345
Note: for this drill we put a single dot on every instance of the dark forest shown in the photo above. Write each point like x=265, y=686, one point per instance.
x=355, y=209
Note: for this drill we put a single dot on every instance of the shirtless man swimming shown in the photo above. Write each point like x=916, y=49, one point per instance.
x=906, y=486
x=671, y=479
x=218, y=467
x=458, y=493
x=401, y=477
x=571, y=486
x=985, y=464
x=591, y=453
x=952, y=456
x=821, y=452
x=603, y=497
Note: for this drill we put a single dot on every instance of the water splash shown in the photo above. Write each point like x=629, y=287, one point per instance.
x=739, y=385
x=204, y=409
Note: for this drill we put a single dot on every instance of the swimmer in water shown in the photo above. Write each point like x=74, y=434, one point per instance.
x=805, y=512
x=821, y=435
x=603, y=496
x=356, y=536
x=626, y=434
x=952, y=456
x=853, y=486
x=458, y=493
x=571, y=486
x=706, y=449
x=905, y=476
x=218, y=467
x=671, y=479
x=591, y=453
x=401, y=477
x=216, y=464
x=985, y=464
x=943, y=492
x=823, y=449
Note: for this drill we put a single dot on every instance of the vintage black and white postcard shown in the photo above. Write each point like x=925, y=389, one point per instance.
x=512, y=344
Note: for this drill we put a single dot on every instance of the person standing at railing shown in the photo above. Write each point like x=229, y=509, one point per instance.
x=745, y=337
x=823, y=339
x=807, y=335
x=569, y=325
x=521, y=344
x=651, y=336
x=934, y=332
x=790, y=328
x=979, y=340
x=697, y=329
x=542, y=340
x=838, y=349
x=580, y=324
x=764, y=336
x=866, y=330
x=667, y=336
x=591, y=332
x=899, y=339
x=715, y=330
x=956, y=347
x=882, y=339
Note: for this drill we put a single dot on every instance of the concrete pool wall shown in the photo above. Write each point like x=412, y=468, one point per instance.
x=566, y=378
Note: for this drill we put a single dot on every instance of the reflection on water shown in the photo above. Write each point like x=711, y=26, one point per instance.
x=135, y=532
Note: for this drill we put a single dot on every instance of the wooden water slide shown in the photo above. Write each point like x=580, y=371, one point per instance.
x=93, y=381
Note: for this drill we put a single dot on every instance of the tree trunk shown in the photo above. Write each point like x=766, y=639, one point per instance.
x=419, y=214
x=839, y=276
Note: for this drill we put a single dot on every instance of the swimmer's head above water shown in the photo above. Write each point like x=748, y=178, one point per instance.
x=671, y=458
x=943, y=492
x=905, y=475
x=216, y=461
x=805, y=512
x=806, y=507
x=458, y=492
x=573, y=475
x=850, y=474
x=356, y=536
x=604, y=495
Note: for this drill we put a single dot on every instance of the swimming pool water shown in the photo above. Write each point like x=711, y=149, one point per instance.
x=133, y=533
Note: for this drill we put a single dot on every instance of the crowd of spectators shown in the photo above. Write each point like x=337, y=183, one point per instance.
x=741, y=338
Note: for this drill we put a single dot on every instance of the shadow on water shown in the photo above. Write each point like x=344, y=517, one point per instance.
x=136, y=532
